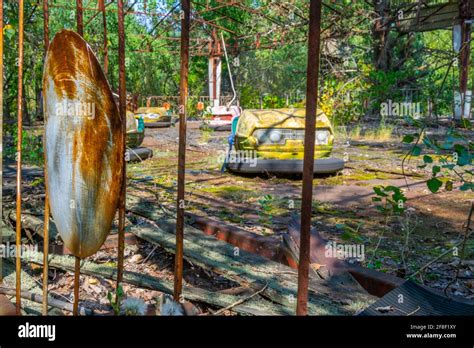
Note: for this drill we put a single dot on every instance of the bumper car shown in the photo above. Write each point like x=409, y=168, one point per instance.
x=272, y=141
x=135, y=136
x=154, y=117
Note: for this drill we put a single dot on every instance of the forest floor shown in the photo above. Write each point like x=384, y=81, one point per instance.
x=343, y=213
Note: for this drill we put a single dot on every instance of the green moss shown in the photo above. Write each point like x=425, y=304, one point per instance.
x=232, y=192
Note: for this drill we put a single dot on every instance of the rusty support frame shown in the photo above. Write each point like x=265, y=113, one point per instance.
x=18, y=157
x=312, y=76
x=77, y=275
x=46, y=198
x=46, y=25
x=122, y=112
x=183, y=93
x=1, y=136
x=112, y=10
x=80, y=17
x=465, y=53
x=104, y=22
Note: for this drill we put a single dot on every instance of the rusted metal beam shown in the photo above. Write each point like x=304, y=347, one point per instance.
x=158, y=24
x=203, y=21
x=46, y=25
x=465, y=53
x=80, y=17
x=112, y=10
x=122, y=112
x=46, y=198
x=77, y=274
x=312, y=76
x=1, y=136
x=99, y=10
x=45, y=247
x=104, y=22
x=183, y=93
x=18, y=168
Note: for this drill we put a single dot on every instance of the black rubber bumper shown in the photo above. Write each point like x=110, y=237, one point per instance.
x=321, y=166
x=157, y=124
x=138, y=154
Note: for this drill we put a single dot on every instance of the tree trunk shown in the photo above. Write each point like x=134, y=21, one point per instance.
x=26, y=114
x=381, y=32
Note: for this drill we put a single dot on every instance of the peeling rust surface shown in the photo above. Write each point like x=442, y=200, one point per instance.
x=83, y=144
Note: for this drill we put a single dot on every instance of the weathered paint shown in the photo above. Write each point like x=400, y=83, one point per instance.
x=276, y=118
x=250, y=120
x=82, y=151
x=159, y=114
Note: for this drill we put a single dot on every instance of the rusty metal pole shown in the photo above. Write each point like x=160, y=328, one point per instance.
x=183, y=94
x=80, y=17
x=104, y=21
x=77, y=274
x=312, y=76
x=46, y=198
x=465, y=53
x=1, y=136
x=46, y=25
x=214, y=66
x=18, y=166
x=122, y=111
x=45, y=246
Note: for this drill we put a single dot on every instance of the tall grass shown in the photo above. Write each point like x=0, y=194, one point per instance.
x=384, y=132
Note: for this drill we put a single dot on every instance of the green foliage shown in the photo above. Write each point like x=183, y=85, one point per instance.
x=115, y=299
x=391, y=198
x=265, y=211
x=32, y=146
x=449, y=159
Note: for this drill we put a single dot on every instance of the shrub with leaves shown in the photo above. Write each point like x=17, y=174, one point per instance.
x=115, y=299
x=449, y=160
x=392, y=199
x=266, y=205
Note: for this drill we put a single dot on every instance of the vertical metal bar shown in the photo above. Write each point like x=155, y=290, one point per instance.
x=183, y=94
x=122, y=110
x=77, y=273
x=214, y=80
x=106, y=52
x=80, y=17
x=46, y=25
x=465, y=53
x=45, y=246
x=18, y=167
x=312, y=76
x=46, y=198
x=1, y=136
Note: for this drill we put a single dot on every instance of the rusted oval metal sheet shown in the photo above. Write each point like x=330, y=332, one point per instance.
x=83, y=144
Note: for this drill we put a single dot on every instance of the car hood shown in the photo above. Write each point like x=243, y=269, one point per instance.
x=276, y=118
x=132, y=126
x=151, y=110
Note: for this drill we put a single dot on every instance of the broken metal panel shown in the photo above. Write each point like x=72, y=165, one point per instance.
x=418, y=300
x=83, y=144
x=429, y=18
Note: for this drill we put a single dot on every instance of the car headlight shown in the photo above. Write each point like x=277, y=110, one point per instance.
x=322, y=137
x=275, y=137
x=269, y=136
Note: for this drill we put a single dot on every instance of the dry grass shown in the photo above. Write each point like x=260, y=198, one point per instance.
x=383, y=132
